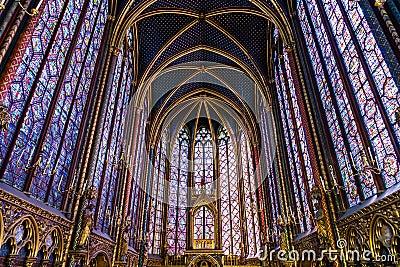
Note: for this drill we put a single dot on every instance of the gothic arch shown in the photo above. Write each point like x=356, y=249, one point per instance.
x=129, y=16
x=356, y=240
x=24, y=232
x=53, y=243
x=383, y=236
x=242, y=118
x=204, y=257
x=143, y=87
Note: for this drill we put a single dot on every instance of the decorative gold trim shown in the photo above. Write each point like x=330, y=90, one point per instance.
x=29, y=207
x=154, y=132
x=211, y=73
x=371, y=209
x=142, y=90
x=5, y=118
x=129, y=16
x=110, y=18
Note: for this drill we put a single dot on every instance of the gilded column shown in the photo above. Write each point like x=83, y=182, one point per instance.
x=126, y=179
x=82, y=212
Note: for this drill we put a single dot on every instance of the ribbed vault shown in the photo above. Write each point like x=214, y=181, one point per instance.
x=206, y=53
x=234, y=33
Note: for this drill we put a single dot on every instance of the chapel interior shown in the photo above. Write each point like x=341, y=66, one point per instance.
x=199, y=133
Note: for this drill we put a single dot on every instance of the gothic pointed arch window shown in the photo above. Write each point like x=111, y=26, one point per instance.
x=240, y=231
x=178, y=193
x=357, y=92
x=229, y=190
x=301, y=173
x=249, y=197
x=203, y=160
x=48, y=96
x=158, y=200
x=204, y=224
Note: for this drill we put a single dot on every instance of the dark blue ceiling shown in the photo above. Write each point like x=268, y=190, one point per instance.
x=202, y=33
x=249, y=30
x=155, y=31
x=201, y=6
x=198, y=5
x=219, y=31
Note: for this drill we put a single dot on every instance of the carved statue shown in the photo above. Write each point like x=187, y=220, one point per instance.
x=319, y=217
x=385, y=235
x=124, y=246
x=320, y=223
x=283, y=241
x=87, y=226
x=283, y=238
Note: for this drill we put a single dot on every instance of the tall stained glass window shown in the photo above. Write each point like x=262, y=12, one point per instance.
x=269, y=166
x=249, y=197
x=203, y=161
x=296, y=144
x=158, y=189
x=106, y=156
x=240, y=231
x=137, y=179
x=295, y=156
x=46, y=101
x=107, y=172
x=178, y=192
x=229, y=190
x=203, y=224
x=358, y=94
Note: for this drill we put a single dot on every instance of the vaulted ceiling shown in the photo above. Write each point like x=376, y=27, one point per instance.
x=234, y=33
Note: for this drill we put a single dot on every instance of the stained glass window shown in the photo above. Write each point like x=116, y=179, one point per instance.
x=105, y=156
x=375, y=98
x=177, y=215
x=250, y=204
x=138, y=172
x=270, y=183
x=138, y=181
x=155, y=226
x=335, y=99
x=299, y=160
x=65, y=99
x=229, y=190
x=203, y=161
x=110, y=156
x=203, y=224
x=237, y=229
